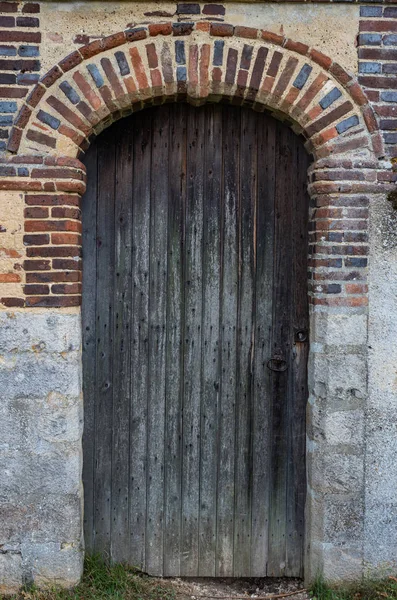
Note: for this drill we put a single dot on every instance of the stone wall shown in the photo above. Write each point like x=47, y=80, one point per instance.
x=101, y=61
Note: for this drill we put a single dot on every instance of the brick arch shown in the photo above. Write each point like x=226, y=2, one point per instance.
x=110, y=78
x=125, y=72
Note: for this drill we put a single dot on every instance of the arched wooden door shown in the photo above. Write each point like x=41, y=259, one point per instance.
x=195, y=322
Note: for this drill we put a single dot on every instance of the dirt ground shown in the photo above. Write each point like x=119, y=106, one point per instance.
x=193, y=589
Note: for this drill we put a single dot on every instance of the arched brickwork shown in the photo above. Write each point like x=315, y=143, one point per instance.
x=113, y=77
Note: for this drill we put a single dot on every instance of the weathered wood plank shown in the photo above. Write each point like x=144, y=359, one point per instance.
x=228, y=317
x=261, y=465
x=141, y=137
x=89, y=207
x=210, y=341
x=300, y=322
x=104, y=350
x=120, y=545
x=245, y=344
x=192, y=349
x=281, y=381
x=157, y=343
x=174, y=358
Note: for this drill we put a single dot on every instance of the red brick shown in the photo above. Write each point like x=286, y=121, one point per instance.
x=70, y=61
x=377, y=25
x=62, y=212
x=14, y=140
x=65, y=238
x=214, y=9
x=66, y=264
x=313, y=90
x=370, y=119
x=160, y=29
x=221, y=29
x=9, y=7
x=36, y=95
x=49, y=225
x=152, y=56
x=53, y=301
x=133, y=35
x=246, y=32
x=11, y=92
x=54, y=277
x=112, y=77
x=41, y=138
x=68, y=114
x=51, y=200
x=296, y=47
x=356, y=288
x=10, y=278
x=285, y=76
x=340, y=74
x=36, y=265
x=51, y=76
x=273, y=38
x=138, y=68
x=33, y=290
x=23, y=117
x=320, y=58
x=64, y=288
x=31, y=7
x=36, y=212
x=36, y=240
x=114, y=40
x=54, y=251
x=179, y=29
x=92, y=49
x=13, y=302
x=87, y=90
x=20, y=36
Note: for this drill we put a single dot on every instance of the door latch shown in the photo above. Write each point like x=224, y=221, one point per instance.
x=277, y=363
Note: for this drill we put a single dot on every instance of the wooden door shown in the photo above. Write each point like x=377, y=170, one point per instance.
x=195, y=344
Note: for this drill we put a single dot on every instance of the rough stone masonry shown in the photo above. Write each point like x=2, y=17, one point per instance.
x=70, y=69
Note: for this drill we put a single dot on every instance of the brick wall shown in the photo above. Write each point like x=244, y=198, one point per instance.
x=377, y=54
x=19, y=59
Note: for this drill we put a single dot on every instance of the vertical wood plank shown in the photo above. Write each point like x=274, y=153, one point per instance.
x=141, y=138
x=282, y=347
x=122, y=344
x=104, y=350
x=210, y=341
x=245, y=345
x=89, y=208
x=261, y=466
x=192, y=350
x=229, y=276
x=174, y=358
x=157, y=341
x=300, y=322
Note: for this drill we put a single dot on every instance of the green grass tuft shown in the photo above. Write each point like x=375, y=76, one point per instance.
x=368, y=589
x=101, y=581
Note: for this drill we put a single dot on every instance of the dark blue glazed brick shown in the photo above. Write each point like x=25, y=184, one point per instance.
x=390, y=40
x=70, y=92
x=3, y=145
x=4, y=121
x=8, y=107
x=218, y=52
x=181, y=73
x=371, y=11
x=188, y=9
x=330, y=98
x=388, y=96
x=23, y=172
x=347, y=124
x=48, y=119
x=369, y=39
x=369, y=67
x=8, y=51
x=28, y=51
x=180, y=56
x=303, y=76
x=123, y=63
x=27, y=78
x=95, y=74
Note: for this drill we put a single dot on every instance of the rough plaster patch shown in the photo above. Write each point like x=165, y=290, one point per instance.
x=321, y=26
